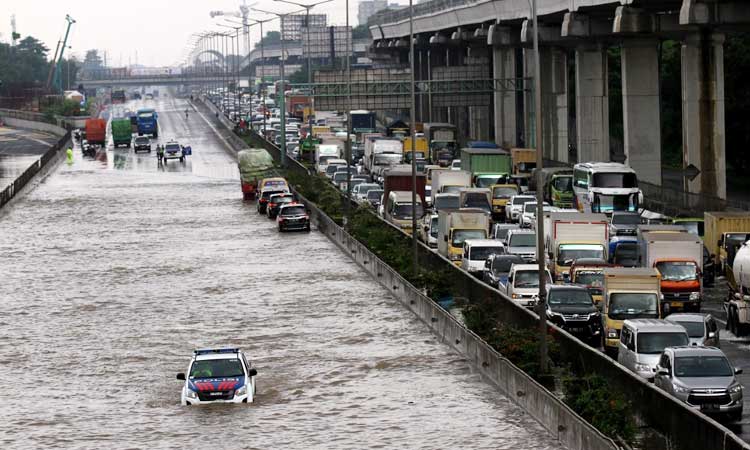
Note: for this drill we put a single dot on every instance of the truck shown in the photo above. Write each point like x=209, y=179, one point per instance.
x=96, y=131
x=398, y=209
x=324, y=153
x=479, y=161
x=556, y=185
x=147, y=122
x=725, y=232
x=442, y=143
x=420, y=146
x=296, y=104
x=457, y=225
x=478, y=198
x=363, y=121
x=629, y=293
x=384, y=153
x=576, y=235
x=449, y=181
x=501, y=193
x=737, y=304
x=122, y=132
x=679, y=259
x=524, y=160
x=398, y=178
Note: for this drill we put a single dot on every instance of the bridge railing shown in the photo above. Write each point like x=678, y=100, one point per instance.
x=421, y=9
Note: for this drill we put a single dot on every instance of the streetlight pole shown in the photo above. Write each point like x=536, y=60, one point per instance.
x=236, y=65
x=349, y=117
x=415, y=246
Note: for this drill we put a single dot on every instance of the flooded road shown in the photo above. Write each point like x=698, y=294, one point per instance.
x=113, y=270
x=19, y=149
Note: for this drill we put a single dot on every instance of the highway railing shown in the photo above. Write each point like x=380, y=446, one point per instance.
x=27, y=115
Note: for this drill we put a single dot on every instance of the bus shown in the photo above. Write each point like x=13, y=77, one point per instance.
x=605, y=187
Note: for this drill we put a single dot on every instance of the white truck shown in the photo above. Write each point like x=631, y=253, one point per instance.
x=737, y=305
x=679, y=259
x=457, y=225
x=324, y=153
x=450, y=181
x=384, y=153
x=574, y=236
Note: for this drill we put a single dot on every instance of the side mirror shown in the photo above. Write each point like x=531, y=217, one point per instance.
x=737, y=371
x=252, y=372
x=662, y=371
x=181, y=376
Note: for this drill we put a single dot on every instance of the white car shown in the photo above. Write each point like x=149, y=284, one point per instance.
x=528, y=214
x=456, y=164
x=523, y=284
x=476, y=252
x=218, y=375
x=515, y=205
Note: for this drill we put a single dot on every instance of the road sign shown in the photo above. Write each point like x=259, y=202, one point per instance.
x=690, y=172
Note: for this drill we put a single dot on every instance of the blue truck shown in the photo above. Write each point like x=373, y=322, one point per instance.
x=147, y=122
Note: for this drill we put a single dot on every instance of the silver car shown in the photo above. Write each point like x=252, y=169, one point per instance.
x=703, y=378
x=702, y=329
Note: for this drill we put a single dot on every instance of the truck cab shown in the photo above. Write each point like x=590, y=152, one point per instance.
x=476, y=252
x=398, y=210
x=458, y=225
x=501, y=193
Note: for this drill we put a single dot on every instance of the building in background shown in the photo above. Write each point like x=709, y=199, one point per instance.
x=368, y=8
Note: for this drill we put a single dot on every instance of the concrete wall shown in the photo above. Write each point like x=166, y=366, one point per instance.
x=32, y=125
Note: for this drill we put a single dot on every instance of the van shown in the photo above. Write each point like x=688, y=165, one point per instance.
x=642, y=342
x=476, y=252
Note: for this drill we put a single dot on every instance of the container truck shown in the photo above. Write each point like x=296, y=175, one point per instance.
x=629, y=293
x=420, y=147
x=524, y=160
x=679, y=259
x=485, y=160
x=725, y=232
x=96, y=131
x=442, y=142
x=296, y=104
x=122, y=132
x=399, y=179
x=450, y=181
x=576, y=235
x=383, y=153
x=147, y=122
x=556, y=185
x=363, y=121
x=457, y=225
x=324, y=153
x=737, y=304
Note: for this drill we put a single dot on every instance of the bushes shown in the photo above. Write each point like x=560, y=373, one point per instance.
x=599, y=404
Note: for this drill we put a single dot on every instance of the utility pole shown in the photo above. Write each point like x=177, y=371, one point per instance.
x=412, y=112
x=348, y=119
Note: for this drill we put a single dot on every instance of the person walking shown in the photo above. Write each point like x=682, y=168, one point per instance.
x=69, y=153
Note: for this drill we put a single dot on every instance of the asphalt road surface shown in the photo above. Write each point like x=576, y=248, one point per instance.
x=19, y=149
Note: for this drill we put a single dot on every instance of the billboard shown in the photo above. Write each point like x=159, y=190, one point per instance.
x=292, y=25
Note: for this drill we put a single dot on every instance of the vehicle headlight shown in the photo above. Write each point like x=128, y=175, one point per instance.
x=613, y=333
x=734, y=389
x=642, y=367
x=694, y=296
x=241, y=391
x=680, y=389
x=552, y=315
x=191, y=393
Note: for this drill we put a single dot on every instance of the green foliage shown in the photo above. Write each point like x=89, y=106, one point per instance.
x=24, y=63
x=600, y=404
x=65, y=108
x=361, y=32
x=271, y=37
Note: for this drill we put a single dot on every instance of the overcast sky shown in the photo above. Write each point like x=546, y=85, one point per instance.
x=157, y=29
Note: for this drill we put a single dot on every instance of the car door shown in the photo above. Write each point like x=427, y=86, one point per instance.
x=663, y=382
x=509, y=284
x=712, y=333
x=626, y=348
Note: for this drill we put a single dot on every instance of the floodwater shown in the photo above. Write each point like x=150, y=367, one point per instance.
x=113, y=270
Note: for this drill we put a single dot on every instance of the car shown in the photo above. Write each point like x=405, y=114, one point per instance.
x=293, y=217
x=375, y=196
x=703, y=378
x=497, y=268
x=500, y=231
x=572, y=309
x=142, y=143
x=173, y=150
x=701, y=328
x=527, y=218
x=265, y=197
x=275, y=201
x=476, y=252
x=523, y=284
x=360, y=191
x=515, y=206
x=624, y=223
x=642, y=341
x=218, y=375
x=456, y=164
x=521, y=242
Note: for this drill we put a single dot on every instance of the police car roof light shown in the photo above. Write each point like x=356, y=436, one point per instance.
x=208, y=351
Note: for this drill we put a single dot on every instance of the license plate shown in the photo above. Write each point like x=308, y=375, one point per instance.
x=216, y=393
x=576, y=330
x=710, y=407
x=677, y=304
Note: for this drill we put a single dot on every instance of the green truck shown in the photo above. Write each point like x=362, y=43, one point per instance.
x=557, y=185
x=486, y=161
x=122, y=132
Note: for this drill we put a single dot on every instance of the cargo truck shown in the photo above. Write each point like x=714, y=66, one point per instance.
x=383, y=154
x=96, y=131
x=629, y=293
x=399, y=179
x=501, y=193
x=725, y=232
x=296, y=104
x=457, y=225
x=398, y=209
x=478, y=198
x=450, y=181
x=324, y=153
x=441, y=139
x=679, y=259
x=524, y=160
x=147, y=122
x=485, y=161
x=122, y=132
x=420, y=147
x=574, y=236
x=556, y=185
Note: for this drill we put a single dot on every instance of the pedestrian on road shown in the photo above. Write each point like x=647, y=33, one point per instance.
x=69, y=153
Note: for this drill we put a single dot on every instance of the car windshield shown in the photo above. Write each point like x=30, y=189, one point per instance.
x=339, y=176
x=569, y=253
x=522, y=240
x=374, y=194
x=655, y=343
x=694, y=329
x=529, y=207
x=608, y=203
x=503, y=192
x=501, y=233
x=502, y=265
x=323, y=160
x=330, y=170
x=626, y=254
x=293, y=210
x=522, y=200
x=367, y=187
x=482, y=253
x=446, y=202
x=626, y=219
x=677, y=271
x=632, y=305
x=172, y=147
x=575, y=297
x=702, y=366
x=528, y=279
x=142, y=140
x=216, y=368
x=268, y=194
x=145, y=115
x=615, y=180
x=459, y=236
x=402, y=211
x=476, y=200
x=563, y=184
x=590, y=278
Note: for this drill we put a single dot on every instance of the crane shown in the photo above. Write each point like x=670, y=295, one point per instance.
x=243, y=13
x=57, y=61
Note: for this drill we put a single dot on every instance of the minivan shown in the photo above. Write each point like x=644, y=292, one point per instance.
x=642, y=342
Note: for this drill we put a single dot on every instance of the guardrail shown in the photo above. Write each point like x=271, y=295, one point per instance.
x=27, y=115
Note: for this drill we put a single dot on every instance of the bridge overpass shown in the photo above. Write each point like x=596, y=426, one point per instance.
x=494, y=37
x=156, y=80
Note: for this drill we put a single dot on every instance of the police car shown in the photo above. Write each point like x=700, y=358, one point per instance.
x=218, y=375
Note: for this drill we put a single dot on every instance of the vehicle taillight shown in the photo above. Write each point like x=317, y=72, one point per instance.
x=271, y=205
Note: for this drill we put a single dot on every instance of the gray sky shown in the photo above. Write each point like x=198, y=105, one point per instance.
x=157, y=29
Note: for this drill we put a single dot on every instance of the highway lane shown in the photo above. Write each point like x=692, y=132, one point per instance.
x=19, y=149
x=115, y=268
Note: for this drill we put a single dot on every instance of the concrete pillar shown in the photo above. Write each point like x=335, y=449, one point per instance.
x=640, y=108
x=592, y=104
x=703, y=133
x=529, y=116
x=504, y=67
x=554, y=71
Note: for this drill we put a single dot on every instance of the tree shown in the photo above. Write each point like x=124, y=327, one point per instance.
x=92, y=60
x=272, y=37
x=361, y=32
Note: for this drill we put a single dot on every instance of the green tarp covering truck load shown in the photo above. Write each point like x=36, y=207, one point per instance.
x=122, y=132
x=254, y=164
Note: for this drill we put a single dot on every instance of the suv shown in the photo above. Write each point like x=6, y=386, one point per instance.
x=275, y=202
x=218, y=375
x=142, y=143
x=265, y=196
x=514, y=206
x=293, y=217
x=703, y=378
x=523, y=284
x=642, y=341
x=497, y=269
x=572, y=309
x=173, y=150
x=701, y=328
x=522, y=243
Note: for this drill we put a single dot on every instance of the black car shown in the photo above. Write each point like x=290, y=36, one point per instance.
x=572, y=309
x=265, y=196
x=275, y=202
x=142, y=143
x=497, y=268
x=293, y=217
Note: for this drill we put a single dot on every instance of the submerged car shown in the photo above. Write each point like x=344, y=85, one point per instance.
x=293, y=217
x=218, y=375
